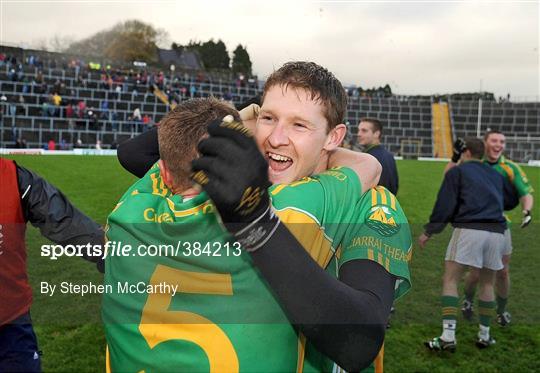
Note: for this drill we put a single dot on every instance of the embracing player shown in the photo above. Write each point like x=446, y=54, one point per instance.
x=365, y=241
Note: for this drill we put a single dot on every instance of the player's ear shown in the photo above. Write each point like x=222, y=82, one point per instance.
x=165, y=173
x=335, y=137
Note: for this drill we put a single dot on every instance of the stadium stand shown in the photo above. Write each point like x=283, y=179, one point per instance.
x=106, y=104
x=519, y=121
x=110, y=98
x=407, y=122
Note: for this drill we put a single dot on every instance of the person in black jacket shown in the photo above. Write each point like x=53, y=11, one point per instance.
x=26, y=197
x=369, y=136
x=471, y=199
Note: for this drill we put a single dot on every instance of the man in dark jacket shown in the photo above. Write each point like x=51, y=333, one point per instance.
x=26, y=197
x=369, y=136
x=471, y=199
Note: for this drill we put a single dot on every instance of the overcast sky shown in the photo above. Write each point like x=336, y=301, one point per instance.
x=416, y=47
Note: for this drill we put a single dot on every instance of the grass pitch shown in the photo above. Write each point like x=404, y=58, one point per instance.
x=71, y=336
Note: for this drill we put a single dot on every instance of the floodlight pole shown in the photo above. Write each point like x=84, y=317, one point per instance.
x=479, y=117
x=479, y=112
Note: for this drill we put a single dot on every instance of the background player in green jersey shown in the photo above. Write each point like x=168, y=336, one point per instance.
x=521, y=190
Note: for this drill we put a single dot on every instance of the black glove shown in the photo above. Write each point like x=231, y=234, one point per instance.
x=458, y=149
x=526, y=218
x=234, y=173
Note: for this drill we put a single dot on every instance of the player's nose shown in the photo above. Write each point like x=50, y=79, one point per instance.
x=279, y=136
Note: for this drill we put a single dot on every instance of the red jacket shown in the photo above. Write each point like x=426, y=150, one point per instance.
x=15, y=291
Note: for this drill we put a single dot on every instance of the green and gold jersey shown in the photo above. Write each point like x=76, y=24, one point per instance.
x=512, y=172
x=199, y=304
x=220, y=315
x=371, y=226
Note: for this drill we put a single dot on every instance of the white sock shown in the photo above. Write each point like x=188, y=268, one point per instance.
x=449, y=330
x=484, y=332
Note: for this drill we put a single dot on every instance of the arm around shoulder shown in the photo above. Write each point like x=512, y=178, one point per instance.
x=367, y=167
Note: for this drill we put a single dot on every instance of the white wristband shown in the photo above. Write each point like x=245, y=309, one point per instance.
x=258, y=232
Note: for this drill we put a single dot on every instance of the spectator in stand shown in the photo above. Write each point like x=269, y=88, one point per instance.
x=92, y=116
x=20, y=72
x=25, y=88
x=45, y=108
x=57, y=87
x=12, y=76
x=110, y=83
x=52, y=105
x=192, y=90
x=38, y=79
x=144, y=78
x=21, y=143
x=81, y=82
x=104, y=109
x=81, y=109
x=183, y=92
x=118, y=91
x=74, y=64
x=51, y=145
x=147, y=122
x=160, y=79
x=13, y=106
x=124, y=81
x=137, y=115
x=69, y=110
x=134, y=94
x=57, y=99
x=103, y=81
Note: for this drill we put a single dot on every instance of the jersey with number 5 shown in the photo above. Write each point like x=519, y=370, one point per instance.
x=207, y=308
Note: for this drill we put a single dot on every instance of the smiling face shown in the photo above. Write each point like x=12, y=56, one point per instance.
x=494, y=146
x=292, y=133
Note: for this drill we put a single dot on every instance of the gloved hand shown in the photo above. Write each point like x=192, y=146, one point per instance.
x=234, y=173
x=458, y=148
x=527, y=218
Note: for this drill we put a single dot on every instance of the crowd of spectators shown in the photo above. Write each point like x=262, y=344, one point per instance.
x=59, y=98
